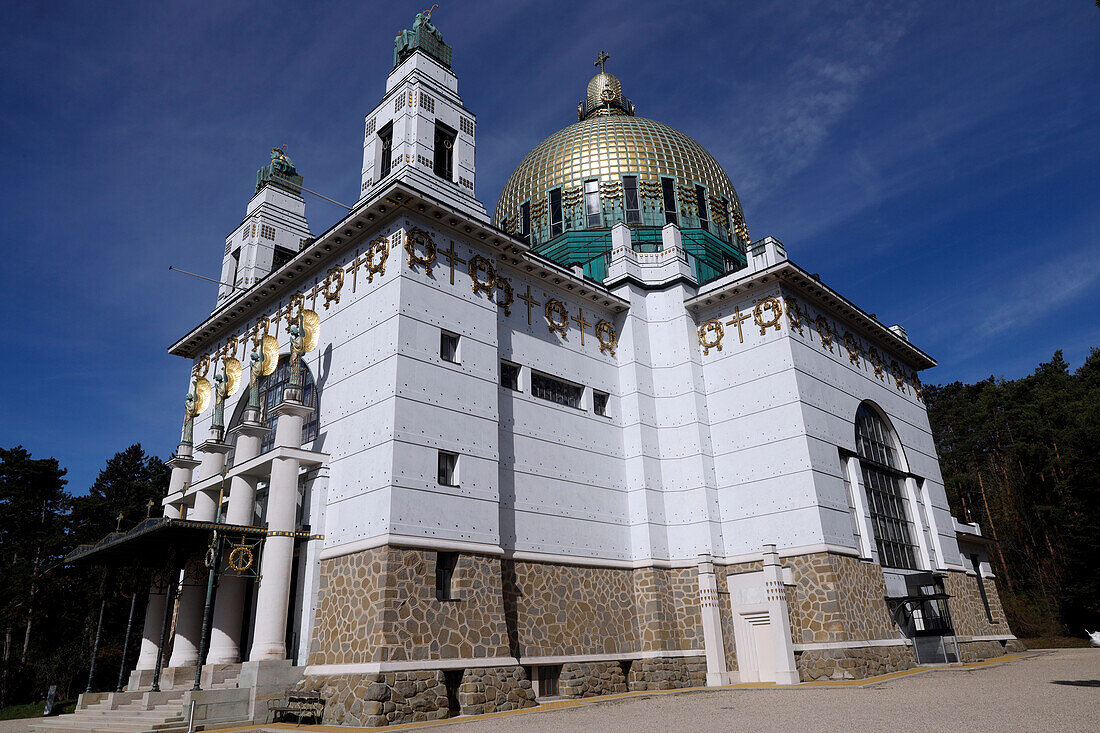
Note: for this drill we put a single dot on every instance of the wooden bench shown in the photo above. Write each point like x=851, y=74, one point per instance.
x=301, y=704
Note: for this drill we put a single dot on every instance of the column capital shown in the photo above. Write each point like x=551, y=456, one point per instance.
x=296, y=409
x=215, y=446
x=248, y=427
x=183, y=461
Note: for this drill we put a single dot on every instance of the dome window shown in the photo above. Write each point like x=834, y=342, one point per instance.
x=668, y=196
x=556, y=224
x=630, y=200
x=592, y=204
x=525, y=221
x=701, y=202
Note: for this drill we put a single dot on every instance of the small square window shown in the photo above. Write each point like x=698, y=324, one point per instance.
x=448, y=468
x=448, y=346
x=599, y=402
x=509, y=375
x=445, y=563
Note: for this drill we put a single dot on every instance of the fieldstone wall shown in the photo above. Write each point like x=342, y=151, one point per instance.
x=591, y=679
x=666, y=605
x=667, y=673
x=976, y=651
x=968, y=612
x=366, y=700
x=489, y=689
x=380, y=605
x=855, y=663
x=570, y=609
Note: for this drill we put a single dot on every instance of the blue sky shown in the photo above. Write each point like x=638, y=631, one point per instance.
x=938, y=163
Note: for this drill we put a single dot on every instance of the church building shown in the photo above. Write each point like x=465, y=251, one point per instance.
x=600, y=441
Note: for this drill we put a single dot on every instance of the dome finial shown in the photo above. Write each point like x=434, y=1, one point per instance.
x=601, y=60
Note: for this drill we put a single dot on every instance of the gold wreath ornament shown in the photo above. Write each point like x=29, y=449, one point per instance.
x=241, y=558
x=311, y=323
x=712, y=326
x=605, y=334
x=428, y=259
x=376, y=258
x=556, y=307
x=476, y=265
x=271, y=355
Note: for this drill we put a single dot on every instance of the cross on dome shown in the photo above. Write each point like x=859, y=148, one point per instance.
x=601, y=60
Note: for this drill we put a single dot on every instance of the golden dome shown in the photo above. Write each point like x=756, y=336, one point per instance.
x=608, y=147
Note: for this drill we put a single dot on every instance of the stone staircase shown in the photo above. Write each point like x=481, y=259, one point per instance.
x=149, y=712
x=138, y=716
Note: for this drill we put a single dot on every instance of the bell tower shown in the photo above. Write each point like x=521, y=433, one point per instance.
x=274, y=227
x=420, y=132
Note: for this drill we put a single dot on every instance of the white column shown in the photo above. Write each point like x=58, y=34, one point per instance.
x=786, y=673
x=273, y=597
x=225, y=636
x=913, y=495
x=717, y=672
x=185, y=647
x=868, y=548
x=150, y=635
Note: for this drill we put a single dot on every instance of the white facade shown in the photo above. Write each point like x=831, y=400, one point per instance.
x=708, y=446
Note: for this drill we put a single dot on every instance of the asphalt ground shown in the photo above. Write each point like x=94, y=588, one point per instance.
x=1057, y=690
x=1045, y=690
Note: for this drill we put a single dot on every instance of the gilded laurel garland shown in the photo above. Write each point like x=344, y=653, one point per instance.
x=605, y=334
x=557, y=316
x=852, y=346
x=377, y=253
x=505, y=286
x=825, y=332
x=795, y=317
x=477, y=265
x=334, y=281
x=715, y=342
x=770, y=303
x=876, y=361
x=418, y=236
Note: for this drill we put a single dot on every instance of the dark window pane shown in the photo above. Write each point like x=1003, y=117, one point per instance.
x=554, y=390
x=630, y=199
x=668, y=194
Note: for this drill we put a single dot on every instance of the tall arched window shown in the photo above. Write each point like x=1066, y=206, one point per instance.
x=271, y=392
x=881, y=467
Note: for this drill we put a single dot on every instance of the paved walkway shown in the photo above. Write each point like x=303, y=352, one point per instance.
x=1057, y=690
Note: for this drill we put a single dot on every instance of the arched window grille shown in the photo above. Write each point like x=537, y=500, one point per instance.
x=271, y=393
x=882, y=477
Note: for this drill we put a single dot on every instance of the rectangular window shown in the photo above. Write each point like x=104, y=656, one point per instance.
x=385, y=138
x=981, y=586
x=630, y=199
x=668, y=196
x=281, y=256
x=548, y=680
x=599, y=402
x=448, y=468
x=236, y=266
x=444, y=151
x=592, y=204
x=556, y=227
x=509, y=375
x=886, y=505
x=445, y=563
x=701, y=202
x=448, y=347
x=554, y=390
x=525, y=221
x=730, y=264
